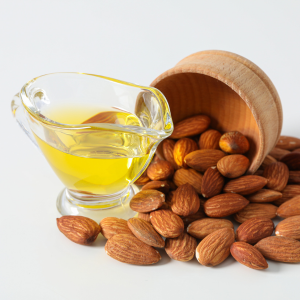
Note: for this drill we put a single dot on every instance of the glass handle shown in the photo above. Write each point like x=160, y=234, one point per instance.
x=19, y=114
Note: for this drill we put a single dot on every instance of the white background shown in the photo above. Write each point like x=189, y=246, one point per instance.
x=134, y=41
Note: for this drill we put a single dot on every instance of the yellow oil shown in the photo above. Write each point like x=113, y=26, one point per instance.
x=83, y=165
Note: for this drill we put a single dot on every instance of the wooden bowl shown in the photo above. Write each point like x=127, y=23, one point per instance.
x=233, y=91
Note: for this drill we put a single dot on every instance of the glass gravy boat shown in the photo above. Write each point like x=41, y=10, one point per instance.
x=98, y=134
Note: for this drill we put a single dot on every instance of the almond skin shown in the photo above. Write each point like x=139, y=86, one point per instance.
x=144, y=216
x=145, y=232
x=296, y=150
x=185, y=201
x=264, y=196
x=254, y=210
x=194, y=178
x=181, y=248
x=202, y=228
x=181, y=149
x=201, y=160
x=190, y=126
x=168, y=149
x=143, y=179
x=278, y=153
x=290, y=227
x=215, y=248
x=254, y=230
x=267, y=161
x=288, y=193
x=280, y=248
x=210, y=139
x=212, y=183
x=278, y=175
x=197, y=216
x=292, y=160
x=111, y=226
x=248, y=256
x=162, y=186
x=128, y=249
x=147, y=201
x=224, y=205
x=78, y=229
x=245, y=185
x=234, y=143
x=160, y=170
x=289, y=208
x=233, y=166
x=294, y=177
x=166, y=223
x=288, y=143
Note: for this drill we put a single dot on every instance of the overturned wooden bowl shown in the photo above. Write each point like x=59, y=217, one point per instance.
x=233, y=91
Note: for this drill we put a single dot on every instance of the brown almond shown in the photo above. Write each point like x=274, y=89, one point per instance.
x=288, y=143
x=78, y=229
x=212, y=183
x=278, y=153
x=296, y=150
x=268, y=160
x=289, y=227
x=233, y=166
x=166, y=223
x=254, y=210
x=248, y=256
x=224, y=205
x=128, y=249
x=169, y=198
x=234, y=143
x=111, y=226
x=202, y=228
x=143, y=179
x=294, y=177
x=160, y=170
x=144, y=216
x=197, y=216
x=210, y=139
x=181, y=248
x=201, y=160
x=194, y=178
x=172, y=185
x=190, y=126
x=259, y=172
x=288, y=193
x=289, y=208
x=168, y=149
x=215, y=248
x=254, y=230
x=264, y=196
x=181, y=149
x=278, y=175
x=279, y=248
x=245, y=185
x=162, y=186
x=292, y=160
x=145, y=232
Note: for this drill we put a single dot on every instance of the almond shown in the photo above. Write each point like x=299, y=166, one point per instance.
x=212, y=183
x=264, y=196
x=233, y=166
x=168, y=149
x=290, y=227
x=185, y=201
x=182, y=148
x=210, y=139
x=245, y=185
x=143, y=179
x=190, y=126
x=294, y=177
x=172, y=185
x=128, y=249
x=144, y=216
x=146, y=201
x=215, y=248
x=202, y=228
x=194, y=178
x=234, y=143
x=169, y=198
x=280, y=248
x=111, y=226
x=78, y=229
x=181, y=248
x=248, y=256
x=288, y=143
x=197, y=216
x=259, y=172
x=288, y=193
x=292, y=160
x=254, y=210
x=224, y=205
x=278, y=175
x=201, y=160
x=162, y=186
x=254, y=230
x=268, y=160
x=296, y=150
x=160, y=170
x=166, y=223
x=289, y=208
x=278, y=153
x=145, y=232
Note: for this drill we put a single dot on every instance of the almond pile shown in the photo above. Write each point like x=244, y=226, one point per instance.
x=189, y=199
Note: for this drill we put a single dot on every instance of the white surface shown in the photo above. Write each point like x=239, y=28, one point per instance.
x=134, y=41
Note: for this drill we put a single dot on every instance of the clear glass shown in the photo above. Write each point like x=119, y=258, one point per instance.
x=97, y=133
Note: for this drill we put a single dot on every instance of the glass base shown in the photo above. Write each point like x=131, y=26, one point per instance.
x=95, y=207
